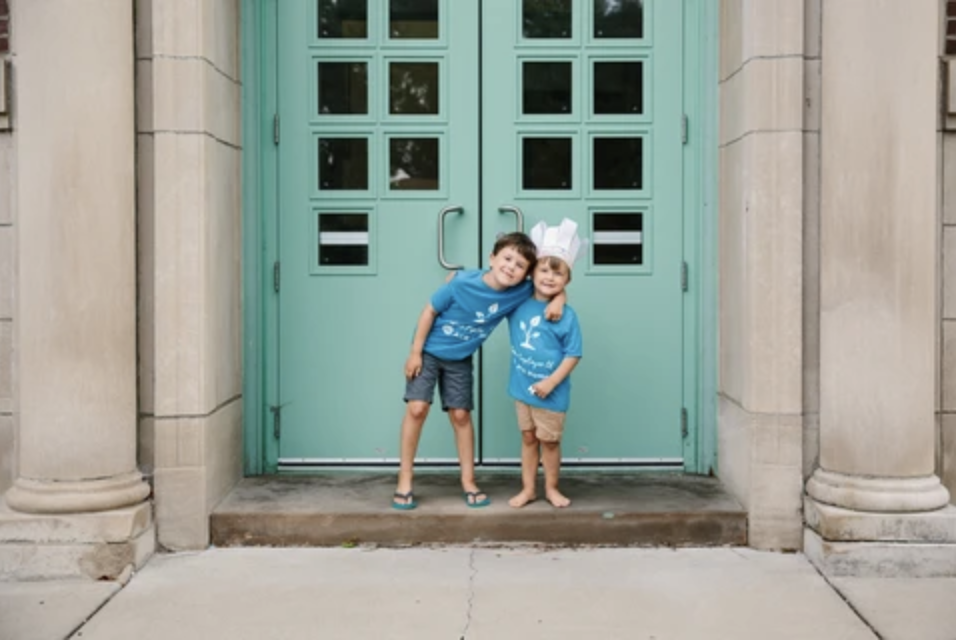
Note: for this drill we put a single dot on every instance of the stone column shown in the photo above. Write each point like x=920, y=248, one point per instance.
x=76, y=293
x=878, y=258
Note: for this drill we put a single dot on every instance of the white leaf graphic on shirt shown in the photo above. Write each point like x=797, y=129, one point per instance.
x=529, y=332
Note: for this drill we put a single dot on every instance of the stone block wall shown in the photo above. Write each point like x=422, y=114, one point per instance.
x=189, y=177
x=7, y=275
x=811, y=235
x=946, y=460
x=761, y=147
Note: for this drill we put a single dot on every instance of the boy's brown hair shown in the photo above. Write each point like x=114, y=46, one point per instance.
x=521, y=243
x=557, y=264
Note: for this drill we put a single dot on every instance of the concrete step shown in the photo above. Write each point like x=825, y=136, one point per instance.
x=609, y=508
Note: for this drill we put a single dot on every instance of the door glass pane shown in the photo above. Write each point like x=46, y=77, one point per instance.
x=413, y=88
x=343, y=19
x=618, y=163
x=546, y=163
x=619, y=18
x=546, y=18
x=546, y=87
x=413, y=164
x=619, y=87
x=343, y=163
x=618, y=238
x=343, y=239
x=413, y=19
x=343, y=87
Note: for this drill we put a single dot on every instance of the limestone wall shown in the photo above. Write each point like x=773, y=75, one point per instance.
x=946, y=459
x=7, y=266
x=763, y=62
x=188, y=124
x=189, y=224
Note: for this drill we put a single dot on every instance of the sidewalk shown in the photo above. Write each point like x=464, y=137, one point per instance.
x=481, y=593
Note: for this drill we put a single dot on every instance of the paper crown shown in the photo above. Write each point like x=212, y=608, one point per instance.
x=561, y=241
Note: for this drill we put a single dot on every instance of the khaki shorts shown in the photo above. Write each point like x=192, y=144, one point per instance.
x=547, y=425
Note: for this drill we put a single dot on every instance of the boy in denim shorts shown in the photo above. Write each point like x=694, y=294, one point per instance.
x=458, y=319
x=543, y=354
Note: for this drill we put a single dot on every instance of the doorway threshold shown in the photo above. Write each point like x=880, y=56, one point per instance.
x=609, y=507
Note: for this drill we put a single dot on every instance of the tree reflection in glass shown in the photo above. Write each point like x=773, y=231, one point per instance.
x=413, y=19
x=343, y=163
x=413, y=164
x=413, y=88
x=343, y=18
x=546, y=87
x=343, y=87
x=546, y=18
x=618, y=18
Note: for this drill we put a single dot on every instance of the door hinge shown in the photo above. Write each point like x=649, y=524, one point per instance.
x=684, y=276
x=276, y=276
x=276, y=421
x=684, y=126
x=275, y=129
x=683, y=423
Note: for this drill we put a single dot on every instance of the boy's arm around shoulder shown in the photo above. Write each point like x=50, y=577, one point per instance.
x=555, y=308
x=413, y=365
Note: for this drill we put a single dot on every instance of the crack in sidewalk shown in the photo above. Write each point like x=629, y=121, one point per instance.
x=471, y=593
x=857, y=612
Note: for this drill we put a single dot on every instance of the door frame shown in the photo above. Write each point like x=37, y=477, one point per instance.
x=259, y=40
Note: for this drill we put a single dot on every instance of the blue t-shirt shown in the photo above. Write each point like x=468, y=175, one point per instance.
x=537, y=348
x=468, y=311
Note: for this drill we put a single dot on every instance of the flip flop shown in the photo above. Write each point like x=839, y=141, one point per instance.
x=409, y=503
x=472, y=501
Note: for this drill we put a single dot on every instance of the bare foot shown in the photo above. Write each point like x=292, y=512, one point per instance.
x=522, y=499
x=557, y=499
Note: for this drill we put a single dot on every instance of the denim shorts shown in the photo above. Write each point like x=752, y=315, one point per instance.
x=455, y=379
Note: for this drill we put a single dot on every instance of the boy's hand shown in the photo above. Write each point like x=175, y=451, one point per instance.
x=555, y=309
x=542, y=389
x=413, y=366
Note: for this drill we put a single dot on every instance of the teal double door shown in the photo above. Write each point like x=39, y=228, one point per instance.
x=411, y=133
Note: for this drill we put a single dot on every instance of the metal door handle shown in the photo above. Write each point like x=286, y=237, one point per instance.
x=519, y=217
x=441, y=236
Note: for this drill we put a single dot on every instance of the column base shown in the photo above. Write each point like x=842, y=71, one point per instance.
x=106, y=545
x=842, y=542
x=881, y=495
x=84, y=496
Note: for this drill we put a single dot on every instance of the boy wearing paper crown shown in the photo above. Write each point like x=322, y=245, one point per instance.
x=458, y=319
x=543, y=354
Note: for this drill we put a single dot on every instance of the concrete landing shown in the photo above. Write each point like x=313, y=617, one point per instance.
x=336, y=508
x=452, y=593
